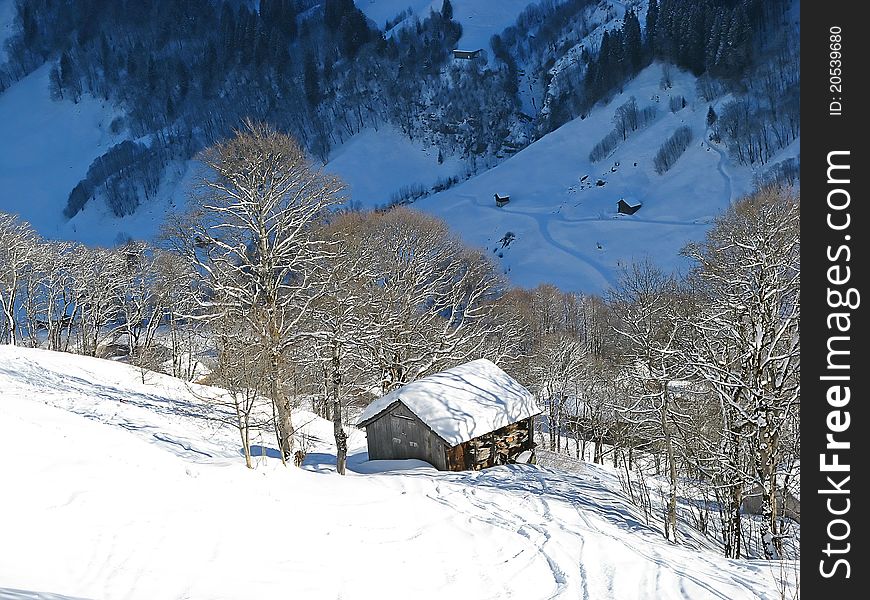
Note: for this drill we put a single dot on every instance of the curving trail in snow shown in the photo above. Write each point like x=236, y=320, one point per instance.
x=542, y=222
x=562, y=214
x=547, y=219
x=593, y=542
x=720, y=167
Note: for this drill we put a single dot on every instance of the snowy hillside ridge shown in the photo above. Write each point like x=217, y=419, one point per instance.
x=462, y=403
x=565, y=225
x=378, y=166
x=480, y=20
x=444, y=134
x=563, y=209
x=119, y=489
x=566, y=228
x=7, y=20
x=47, y=148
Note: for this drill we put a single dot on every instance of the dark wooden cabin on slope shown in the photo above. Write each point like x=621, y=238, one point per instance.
x=467, y=54
x=626, y=207
x=469, y=417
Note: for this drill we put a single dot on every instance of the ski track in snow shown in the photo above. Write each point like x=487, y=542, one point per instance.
x=723, y=160
x=572, y=548
x=545, y=220
x=542, y=221
x=193, y=518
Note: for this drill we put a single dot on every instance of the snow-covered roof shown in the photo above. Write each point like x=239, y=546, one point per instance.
x=462, y=403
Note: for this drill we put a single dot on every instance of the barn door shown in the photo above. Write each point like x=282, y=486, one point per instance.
x=402, y=427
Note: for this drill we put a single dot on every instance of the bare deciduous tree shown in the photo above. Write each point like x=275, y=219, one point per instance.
x=648, y=308
x=746, y=344
x=241, y=370
x=98, y=277
x=250, y=233
x=434, y=296
x=343, y=329
x=18, y=243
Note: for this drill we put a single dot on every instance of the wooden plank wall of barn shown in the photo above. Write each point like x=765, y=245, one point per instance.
x=399, y=423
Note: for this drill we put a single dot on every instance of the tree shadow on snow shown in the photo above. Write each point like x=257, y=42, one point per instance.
x=11, y=594
x=358, y=462
x=257, y=451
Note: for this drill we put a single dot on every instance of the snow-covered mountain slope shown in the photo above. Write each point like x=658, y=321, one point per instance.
x=567, y=228
x=117, y=488
x=480, y=19
x=375, y=165
x=46, y=148
x=7, y=17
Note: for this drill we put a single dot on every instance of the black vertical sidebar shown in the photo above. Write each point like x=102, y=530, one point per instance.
x=835, y=427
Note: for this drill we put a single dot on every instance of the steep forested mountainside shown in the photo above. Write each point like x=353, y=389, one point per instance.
x=135, y=90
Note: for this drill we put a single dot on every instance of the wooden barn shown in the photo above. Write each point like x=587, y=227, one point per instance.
x=788, y=504
x=467, y=54
x=469, y=417
x=501, y=200
x=626, y=207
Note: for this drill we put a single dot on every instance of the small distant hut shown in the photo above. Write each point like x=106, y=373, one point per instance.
x=467, y=54
x=627, y=207
x=466, y=418
x=788, y=504
x=501, y=200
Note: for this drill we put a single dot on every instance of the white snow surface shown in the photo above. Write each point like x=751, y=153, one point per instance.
x=464, y=402
x=114, y=488
x=377, y=164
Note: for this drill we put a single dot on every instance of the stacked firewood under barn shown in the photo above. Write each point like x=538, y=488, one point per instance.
x=498, y=447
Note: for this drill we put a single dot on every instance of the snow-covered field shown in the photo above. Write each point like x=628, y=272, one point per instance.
x=377, y=164
x=114, y=488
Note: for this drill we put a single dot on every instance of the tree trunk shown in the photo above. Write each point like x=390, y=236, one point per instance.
x=340, y=435
x=671, y=522
x=766, y=471
x=246, y=444
x=733, y=532
x=283, y=410
x=340, y=440
x=10, y=319
x=244, y=431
